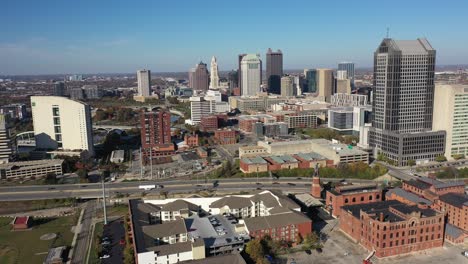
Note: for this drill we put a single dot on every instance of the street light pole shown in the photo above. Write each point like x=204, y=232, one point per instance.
x=104, y=199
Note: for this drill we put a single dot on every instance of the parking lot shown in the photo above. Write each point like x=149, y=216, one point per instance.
x=114, y=233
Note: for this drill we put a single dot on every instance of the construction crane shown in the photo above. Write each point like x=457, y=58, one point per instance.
x=367, y=260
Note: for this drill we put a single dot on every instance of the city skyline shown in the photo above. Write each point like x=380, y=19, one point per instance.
x=89, y=40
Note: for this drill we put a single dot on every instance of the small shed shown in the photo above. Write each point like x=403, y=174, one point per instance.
x=22, y=222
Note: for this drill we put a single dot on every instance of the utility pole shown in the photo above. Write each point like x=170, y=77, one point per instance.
x=151, y=163
x=257, y=174
x=104, y=199
x=141, y=165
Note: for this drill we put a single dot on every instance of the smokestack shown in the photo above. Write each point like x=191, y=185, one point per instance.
x=381, y=218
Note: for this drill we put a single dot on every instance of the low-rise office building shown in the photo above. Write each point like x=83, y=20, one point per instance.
x=225, y=136
x=274, y=163
x=28, y=169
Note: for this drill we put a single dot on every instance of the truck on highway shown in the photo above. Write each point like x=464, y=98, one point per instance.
x=147, y=187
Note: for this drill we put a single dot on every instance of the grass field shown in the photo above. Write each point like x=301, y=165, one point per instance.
x=96, y=246
x=26, y=246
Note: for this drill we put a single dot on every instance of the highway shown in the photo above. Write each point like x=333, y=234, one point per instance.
x=93, y=190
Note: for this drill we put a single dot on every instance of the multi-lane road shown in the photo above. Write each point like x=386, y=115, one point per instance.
x=93, y=190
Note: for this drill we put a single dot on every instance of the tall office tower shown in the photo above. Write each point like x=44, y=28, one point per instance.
x=298, y=85
x=156, y=132
x=310, y=77
x=62, y=123
x=251, y=66
x=325, y=83
x=214, y=77
x=341, y=75
x=403, y=100
x=343, y=86
x=199, y=77
x=287, y=86
x=274, y=71
x=349, y=68
x=239, y=70
x=144, y=83
x=233, y=79
x=451, y=115
x=5, y=140
x=59, y=89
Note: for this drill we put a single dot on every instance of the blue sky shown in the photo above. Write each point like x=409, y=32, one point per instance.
x=103, y=36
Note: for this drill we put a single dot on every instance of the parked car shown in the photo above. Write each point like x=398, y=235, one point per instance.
x=122, y=242
x=106, y=242
x=106, y=256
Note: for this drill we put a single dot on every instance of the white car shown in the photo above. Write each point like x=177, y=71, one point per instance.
x=105, y=256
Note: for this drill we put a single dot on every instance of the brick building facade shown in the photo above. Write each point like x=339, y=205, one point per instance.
x=156, y=133
x=446, y=197
x=191, y=140
x=351, y=195
x=225, y=136
x=286, y=226
x=209, y=123
x=392, y=228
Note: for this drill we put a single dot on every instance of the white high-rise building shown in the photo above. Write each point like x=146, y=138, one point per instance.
x=144, y=83
x=5, y=140
x=341, y=75
x=451, y=114
x=251, y=67
x=214, y=77
x=62, y=124
x=203, y=106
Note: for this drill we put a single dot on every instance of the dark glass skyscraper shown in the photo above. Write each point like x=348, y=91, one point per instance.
x=274, y=70
x=59, y=89
x=199, y=77
x=310, y=77
x=239, y=70
x=403, y=98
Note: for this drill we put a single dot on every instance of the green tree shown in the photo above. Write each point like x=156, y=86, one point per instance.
x=458, y=156
x=311, y=241
x=411, y=162
x=100, y=115
x=441, y=158
x=254, y=249
x=51, y=178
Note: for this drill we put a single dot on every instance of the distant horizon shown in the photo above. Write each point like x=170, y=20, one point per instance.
x=49, y=37
x=438, y=67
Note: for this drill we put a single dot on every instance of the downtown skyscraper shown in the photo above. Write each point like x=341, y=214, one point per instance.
x=144, y=83
x=199, y=77
x=403, y=100
x=214, y=76
x=251, y=72
x=274, y=71
x=349, y=68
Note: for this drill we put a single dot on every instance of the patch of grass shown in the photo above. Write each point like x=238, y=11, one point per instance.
x=96, y=248
x=114, y=210
x=11, y=207
x=8, y=255
x=22, y=246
